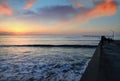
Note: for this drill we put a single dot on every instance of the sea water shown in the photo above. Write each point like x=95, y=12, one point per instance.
x=19, y=62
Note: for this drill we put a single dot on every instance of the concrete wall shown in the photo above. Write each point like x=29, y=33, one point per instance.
x=105, y=63
x=91, y=72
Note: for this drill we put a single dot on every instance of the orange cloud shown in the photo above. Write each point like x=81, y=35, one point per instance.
x=79, y=4
x=106, y=8
x=5, y=10
x=29, y=4
x=108, y=1
x=76, y=3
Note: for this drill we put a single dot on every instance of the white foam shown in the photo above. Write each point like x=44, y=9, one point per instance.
x=63, y=64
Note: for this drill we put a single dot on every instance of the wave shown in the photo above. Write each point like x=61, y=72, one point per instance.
x=45, y=45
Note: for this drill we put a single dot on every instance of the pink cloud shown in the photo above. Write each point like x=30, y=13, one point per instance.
x=29, y=4
x=103, y=8
x=106, y=8
x=5, y=10
x=79, y=4
x=76, y=3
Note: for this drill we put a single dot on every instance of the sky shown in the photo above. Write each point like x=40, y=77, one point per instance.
x=59, y=17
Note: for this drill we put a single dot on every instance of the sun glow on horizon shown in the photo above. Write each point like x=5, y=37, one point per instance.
x=64, y=17
x=16, y=27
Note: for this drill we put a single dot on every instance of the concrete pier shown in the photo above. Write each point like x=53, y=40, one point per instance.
x=105, y=63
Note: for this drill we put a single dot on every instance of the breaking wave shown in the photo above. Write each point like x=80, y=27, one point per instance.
x=44, y=45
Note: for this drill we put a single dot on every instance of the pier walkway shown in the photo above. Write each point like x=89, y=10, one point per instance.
x=105, y=63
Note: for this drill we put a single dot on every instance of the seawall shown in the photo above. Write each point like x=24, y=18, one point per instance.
x=105, y=63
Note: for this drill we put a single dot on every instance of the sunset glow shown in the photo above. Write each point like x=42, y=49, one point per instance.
x=59, y=40
x=50, y=17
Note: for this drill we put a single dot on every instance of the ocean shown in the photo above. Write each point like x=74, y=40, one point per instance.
x=45, y=57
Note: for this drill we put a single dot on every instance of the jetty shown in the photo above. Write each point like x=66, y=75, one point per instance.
x=105, y=63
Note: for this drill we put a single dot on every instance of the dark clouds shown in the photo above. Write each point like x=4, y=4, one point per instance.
x=58, y=12
x=69, y=13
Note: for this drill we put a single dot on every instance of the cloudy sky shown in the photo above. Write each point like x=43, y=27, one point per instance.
x=59, y=16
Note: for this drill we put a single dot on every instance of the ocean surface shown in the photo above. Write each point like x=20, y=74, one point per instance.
x=45, y=57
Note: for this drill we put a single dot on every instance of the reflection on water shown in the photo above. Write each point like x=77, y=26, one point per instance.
x=21, y=40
